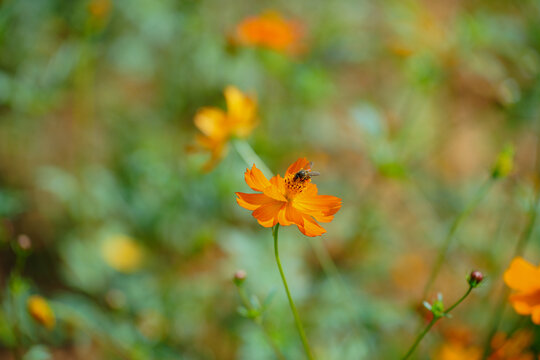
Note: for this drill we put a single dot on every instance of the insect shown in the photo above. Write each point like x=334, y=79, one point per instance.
x=304, y=175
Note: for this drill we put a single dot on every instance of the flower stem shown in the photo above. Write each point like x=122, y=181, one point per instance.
x=441, y=256
x=250, y=157
x=297, y=320
x=520, y=247
x=433, y=321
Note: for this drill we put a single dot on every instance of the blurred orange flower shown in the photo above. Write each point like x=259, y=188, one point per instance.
x=217, y=126
x=40, y=310
x=512, y=348
x=289, y=200
x=524, y=277
x=270, y=30
x=458, y=351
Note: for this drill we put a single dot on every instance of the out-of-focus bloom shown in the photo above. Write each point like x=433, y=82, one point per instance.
x=270, y=30
x=218, y=126
x=513, y=348
x=122, y=253
x=524, y=278
x=40, y=310
x=289, y=200
x=457, y=351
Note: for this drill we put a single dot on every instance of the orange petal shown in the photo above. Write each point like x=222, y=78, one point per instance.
x=311, y=228
x=536, y=315
x=322, y=207
x=268, y=212
x=212, y=122
x=252, y=201
x=298, y=165
x=256, y=179
x=277, y=189
x=293, y=216
x=522, y=275
x=524, y=303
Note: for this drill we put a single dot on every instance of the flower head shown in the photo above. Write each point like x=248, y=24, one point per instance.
x=218, y=126
x=40, y=310
x=288, y=200
x=524, y=278
x=270, y=30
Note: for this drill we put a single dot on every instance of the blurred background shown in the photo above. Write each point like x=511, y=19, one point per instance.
x=403, y=106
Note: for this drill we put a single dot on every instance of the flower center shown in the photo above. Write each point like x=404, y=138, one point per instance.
x=295, y=184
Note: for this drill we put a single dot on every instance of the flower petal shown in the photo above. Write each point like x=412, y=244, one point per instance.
x=522, y=275
x=311, y=228
x=252, y=201
x=276, y=190
x=212, y=122
x=267, y=214
x=524, y=303
x=536, y=315
x=256, y=179
x=240, y=110
x=298, y=165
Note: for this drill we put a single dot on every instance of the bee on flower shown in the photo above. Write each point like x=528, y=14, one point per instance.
x=270, y=30
x=218, y=126
x=288, y=200
x=524, y=278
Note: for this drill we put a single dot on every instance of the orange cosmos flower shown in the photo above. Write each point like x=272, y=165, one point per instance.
x=270, y=30
x=218, y=127
x=289, y=200
x=524, y=277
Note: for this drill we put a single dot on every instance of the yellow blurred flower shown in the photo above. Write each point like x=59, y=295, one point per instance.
x=40, y=310
x=122, y=253
x=270, y=30
x=218, y=126
x=458, y=351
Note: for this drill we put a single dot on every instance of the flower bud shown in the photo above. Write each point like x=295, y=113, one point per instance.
x=239, y=277
x=475, y=278
x=24, y=242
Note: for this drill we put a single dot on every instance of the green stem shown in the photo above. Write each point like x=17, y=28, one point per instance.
x=258, y=320
x=441, y=256
x=432, y=322
x=518, y=251
x=291, y=302
x=250, y=157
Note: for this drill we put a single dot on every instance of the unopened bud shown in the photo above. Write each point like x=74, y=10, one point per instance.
x=239, y=277
x=24, y=242
x=475, y=278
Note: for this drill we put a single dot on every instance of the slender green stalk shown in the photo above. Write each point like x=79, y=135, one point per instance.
x=441, y=256
x=297, y=320
x=258, y=320
x=250, y=157
x=519, y=249
x=433, y=321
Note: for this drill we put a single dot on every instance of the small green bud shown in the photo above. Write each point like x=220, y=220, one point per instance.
x=239, y=277
x=504, y=163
